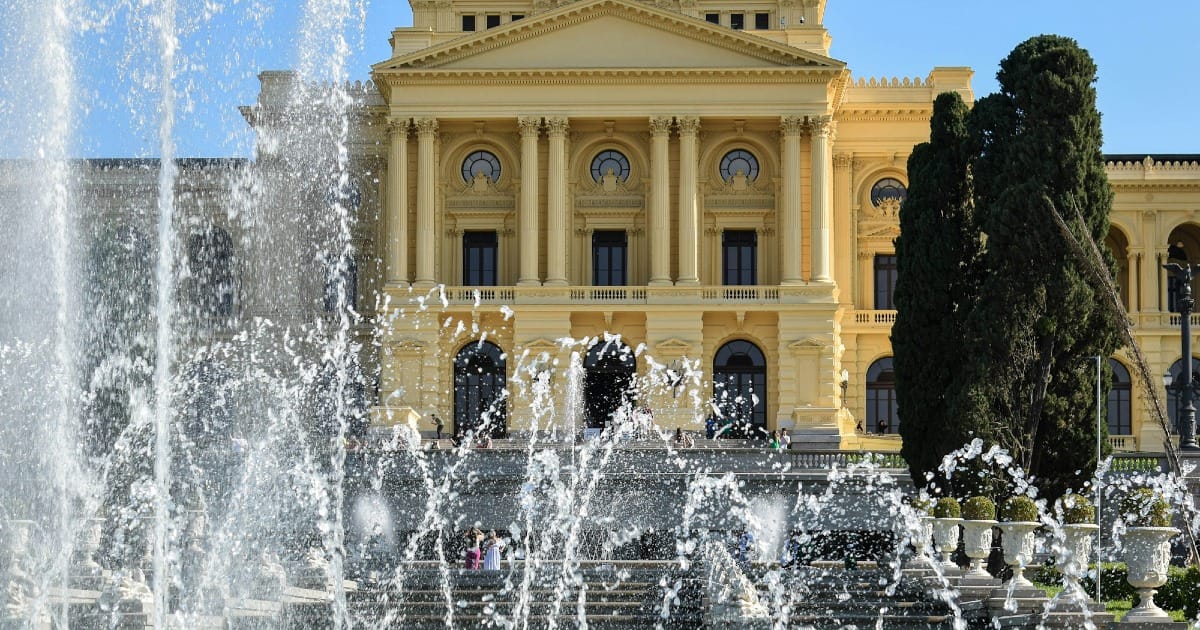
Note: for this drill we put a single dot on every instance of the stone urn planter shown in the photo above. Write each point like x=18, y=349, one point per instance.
x=1017, y=540
x=945, y=537
x=920, y=532
x=1148, y=555
x=980, y=517
x=1076, y=548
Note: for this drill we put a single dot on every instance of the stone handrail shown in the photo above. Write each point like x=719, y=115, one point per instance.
x=462, y=295
x=883, y=318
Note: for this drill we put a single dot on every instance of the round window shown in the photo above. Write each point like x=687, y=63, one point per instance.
x=888, y=188
x=610, y=161
x=481, y=163
x=739, y=163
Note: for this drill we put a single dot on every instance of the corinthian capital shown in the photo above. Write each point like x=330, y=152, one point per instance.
x=791, y=125
x=529, y=126
x=822, y=126
x=842, y=161
x=557, y=126
x=426, y=126
x=660, y=125
x=398, y=125
x=688, y=125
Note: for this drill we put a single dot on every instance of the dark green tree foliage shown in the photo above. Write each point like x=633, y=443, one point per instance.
x=1034, y=320
x=936, y=254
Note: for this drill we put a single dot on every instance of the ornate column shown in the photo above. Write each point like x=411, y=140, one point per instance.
x=689, y=211
x=556, y=202
x=1151, y=265
x=397, y=201
x=426, y=199
x=789, y=207
x=822, y=213
x=1131, y=277
x=843, y=230
x=660, y=198
x=527, y=212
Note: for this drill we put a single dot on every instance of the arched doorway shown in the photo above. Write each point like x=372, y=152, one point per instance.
x=740, y=389
x=480, y=398
x=608, y=381
x=881, y=398
x=1119, y=400
x=1173, y=397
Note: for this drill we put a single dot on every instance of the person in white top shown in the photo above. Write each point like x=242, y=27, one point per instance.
x=785, y=440
x=492, y=548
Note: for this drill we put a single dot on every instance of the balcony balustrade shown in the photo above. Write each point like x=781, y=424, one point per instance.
x=584, y=295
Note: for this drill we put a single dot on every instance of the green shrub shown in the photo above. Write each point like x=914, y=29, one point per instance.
x=1182, y=591
x=1143, y=507
x=1077, y=509
x=1114, y=582
x=921, y=505
x=1020, y=508
x=979, y=508
x=947, y=507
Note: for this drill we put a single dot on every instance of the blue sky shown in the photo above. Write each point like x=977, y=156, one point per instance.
x=1148, y=88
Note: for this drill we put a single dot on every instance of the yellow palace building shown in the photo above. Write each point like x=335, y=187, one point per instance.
x=698, y=177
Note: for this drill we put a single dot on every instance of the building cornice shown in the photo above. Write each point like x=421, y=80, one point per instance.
x=612, y=76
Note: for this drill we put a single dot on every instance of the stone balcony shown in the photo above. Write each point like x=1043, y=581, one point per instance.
x=714, y=296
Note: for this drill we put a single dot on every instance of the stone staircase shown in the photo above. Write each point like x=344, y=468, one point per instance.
x=614, y=595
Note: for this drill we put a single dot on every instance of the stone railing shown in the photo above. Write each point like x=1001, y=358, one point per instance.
x=583, y=295
x=875, y=318
x=1123, y=443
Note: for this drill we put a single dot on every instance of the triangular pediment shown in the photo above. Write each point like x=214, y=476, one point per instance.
x=609, y=34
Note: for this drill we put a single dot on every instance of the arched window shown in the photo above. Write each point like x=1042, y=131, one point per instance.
x=210, y=260
x=887, y=188
x=1173, y=397
x=608, y=382
x=740, y=388
x=881, y=398
x=739, y=163
x=1119, y=422
x=480, y=400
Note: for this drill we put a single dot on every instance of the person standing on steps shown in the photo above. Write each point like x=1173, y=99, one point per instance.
x=439, y=426
x=474, y=555
x=493, y=547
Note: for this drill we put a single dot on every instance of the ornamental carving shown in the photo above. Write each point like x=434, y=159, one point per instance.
x=888, y=209
x=791, y=125
x=397, y=126
x=529, y=126
x=556, y=126
x=842, y=161
x=821, y=126
x=660, y=125
x=426, y=126
x=688, y=125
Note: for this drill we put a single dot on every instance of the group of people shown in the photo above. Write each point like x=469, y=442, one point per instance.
x=483, y=552
x=780, y=439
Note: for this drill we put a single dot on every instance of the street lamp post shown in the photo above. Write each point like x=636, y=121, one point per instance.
x=1186, y=414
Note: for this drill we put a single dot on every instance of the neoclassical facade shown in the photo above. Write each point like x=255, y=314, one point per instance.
x=697, y=177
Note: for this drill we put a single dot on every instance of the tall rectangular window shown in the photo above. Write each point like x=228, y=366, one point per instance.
x=739, y=251
x=762, y=21
x=492, y=20
x=468, y=22
x=885, y=282
x=737, y=21
x=479, y=259
x=608, y=258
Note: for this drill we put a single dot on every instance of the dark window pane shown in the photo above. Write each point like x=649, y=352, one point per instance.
x=609, y=249
x=468, y=22
x=740, y=389
x=516, y=17
x=885, y=282
x=740, y=257
x=714, y=18
x=479, y=396
x=882, y=416
x=492, y=21
x=479, y=259
x=762, y=21
x=737, y=21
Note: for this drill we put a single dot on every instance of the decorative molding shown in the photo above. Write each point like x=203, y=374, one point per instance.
x=809, y=344
x=557, y=126
x=842, y=161
x=660, y=125
x=426, y=126
x=688, y=125
x=792, y=125
x=398, y=125
x=822, y=126
x=674, y=345
x=529, y=126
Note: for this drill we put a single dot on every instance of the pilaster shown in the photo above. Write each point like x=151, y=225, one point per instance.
x=676, y=342
x=843, y=228
x=539, y=374
x=822, y=213
x=397, y=201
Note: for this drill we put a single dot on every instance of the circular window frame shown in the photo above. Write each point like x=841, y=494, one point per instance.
x=481, y=155
x=724, y=167
x=879, y=187
x=605, y=156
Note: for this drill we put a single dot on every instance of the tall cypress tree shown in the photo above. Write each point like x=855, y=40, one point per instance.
x=1010, y=363
x=936, y=282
